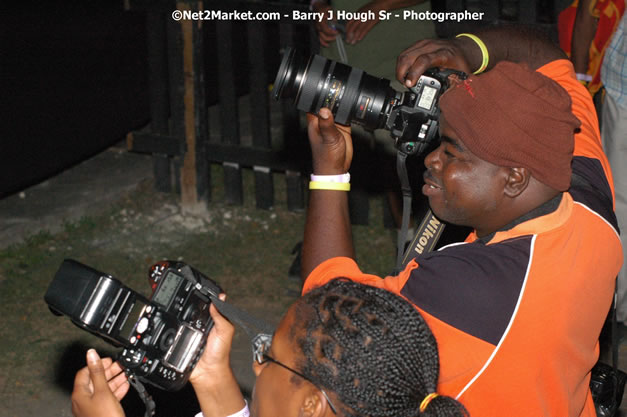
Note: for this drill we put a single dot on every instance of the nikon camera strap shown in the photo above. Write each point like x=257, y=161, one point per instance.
x=251, y=325
x=428, y=232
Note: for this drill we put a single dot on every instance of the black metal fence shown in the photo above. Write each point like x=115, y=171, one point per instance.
x=200, y=66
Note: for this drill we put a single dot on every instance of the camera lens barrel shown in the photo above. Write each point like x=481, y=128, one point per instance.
x=352, y=95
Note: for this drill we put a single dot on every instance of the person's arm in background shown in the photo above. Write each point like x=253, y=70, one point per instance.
x=504, y=43
x=584, y=30
x=356, y=30
x=326, y=32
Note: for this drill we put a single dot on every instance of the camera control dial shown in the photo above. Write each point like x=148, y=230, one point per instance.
x=142, y=325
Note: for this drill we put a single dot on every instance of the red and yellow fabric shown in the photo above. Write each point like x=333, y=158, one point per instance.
x=608, y=13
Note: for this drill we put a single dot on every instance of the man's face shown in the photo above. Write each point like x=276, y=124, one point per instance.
x=462, y=188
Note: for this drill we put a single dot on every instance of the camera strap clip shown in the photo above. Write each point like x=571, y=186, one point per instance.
x=143, y=394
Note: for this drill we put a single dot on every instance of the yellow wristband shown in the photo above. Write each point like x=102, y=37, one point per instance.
x=484, y=51
x=325, y=185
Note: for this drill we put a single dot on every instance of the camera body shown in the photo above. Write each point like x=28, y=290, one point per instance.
x=353, y=96
x=413, y=119
x=162, y=336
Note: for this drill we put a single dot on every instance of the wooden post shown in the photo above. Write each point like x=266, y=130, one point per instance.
x=194, y=172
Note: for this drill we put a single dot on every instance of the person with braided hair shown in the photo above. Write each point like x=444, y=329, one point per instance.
x=344, y=349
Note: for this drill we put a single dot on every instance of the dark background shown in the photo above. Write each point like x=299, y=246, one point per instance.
x=73, y=82
x=74, y=79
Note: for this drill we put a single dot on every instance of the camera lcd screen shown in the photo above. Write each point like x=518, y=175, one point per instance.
x=167, y=289
x=131, y=320
x=426, y=99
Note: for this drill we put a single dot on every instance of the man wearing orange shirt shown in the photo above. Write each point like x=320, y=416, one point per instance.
x=518, y=307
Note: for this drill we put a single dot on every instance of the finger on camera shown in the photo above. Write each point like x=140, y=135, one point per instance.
x=327, y=122
x=119, y=385
x=220, y=322
x=413, y=59
x=113, y=369
x=121, y=391
x=96, y=370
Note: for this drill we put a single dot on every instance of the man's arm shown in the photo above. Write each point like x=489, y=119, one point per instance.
x=504, y=43
x=328, y=227
x=584, y=30
x=356, y=29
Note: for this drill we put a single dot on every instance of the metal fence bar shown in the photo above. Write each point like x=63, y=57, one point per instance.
x=197, y=119
x=260, y=110
x=176, y=89
x=229, y=110
x=291, y=133
x=158, y=93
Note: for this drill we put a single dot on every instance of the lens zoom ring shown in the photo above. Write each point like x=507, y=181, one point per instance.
x=349, y=98
x=310, y=83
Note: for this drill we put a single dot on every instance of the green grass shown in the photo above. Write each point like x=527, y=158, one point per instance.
x=246, y=250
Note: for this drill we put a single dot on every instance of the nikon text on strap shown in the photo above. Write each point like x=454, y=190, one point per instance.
x=430, y=228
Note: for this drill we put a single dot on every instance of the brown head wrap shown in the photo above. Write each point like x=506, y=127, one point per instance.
x=515, y=117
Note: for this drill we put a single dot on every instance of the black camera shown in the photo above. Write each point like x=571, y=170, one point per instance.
x=353, y=96
x=162, y=337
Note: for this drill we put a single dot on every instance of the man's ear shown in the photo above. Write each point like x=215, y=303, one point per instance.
x=314, y=405
x=517, y=181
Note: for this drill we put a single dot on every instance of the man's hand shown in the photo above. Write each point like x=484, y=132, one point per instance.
x=326, y=32
x=356, y=30
x=214, y=361
x=98, y=388
x=427, y=53
x=331, y=144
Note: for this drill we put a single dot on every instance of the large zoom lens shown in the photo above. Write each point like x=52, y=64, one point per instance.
x=352, y=95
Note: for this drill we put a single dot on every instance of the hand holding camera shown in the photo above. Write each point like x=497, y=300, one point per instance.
x=99, y=388
x=215, y=358
x=414, y=61
x=354, y=96
x=101, y=385
x=162, y=337
x=331, y=144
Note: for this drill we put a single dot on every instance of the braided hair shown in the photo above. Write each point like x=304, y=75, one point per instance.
x=372, y=349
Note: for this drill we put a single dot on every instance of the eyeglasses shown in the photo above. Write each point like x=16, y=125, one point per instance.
x=261, y=345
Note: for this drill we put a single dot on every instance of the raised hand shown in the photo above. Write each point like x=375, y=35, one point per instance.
x=331, y=144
